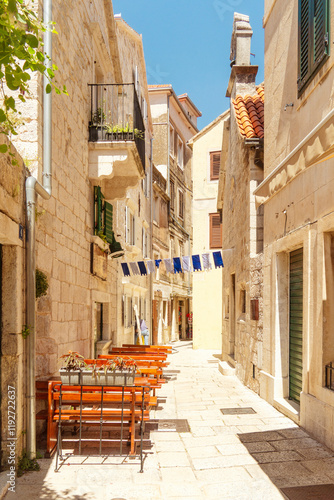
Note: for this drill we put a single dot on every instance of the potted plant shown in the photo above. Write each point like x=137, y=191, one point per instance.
x=96, y=126
x=118, y=371
x=119, y=132
x=73, y=362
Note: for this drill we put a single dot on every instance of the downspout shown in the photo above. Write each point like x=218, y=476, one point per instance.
x=33, y=187
x=151, y=240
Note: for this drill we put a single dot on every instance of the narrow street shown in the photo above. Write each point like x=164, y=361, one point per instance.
x=241, y=456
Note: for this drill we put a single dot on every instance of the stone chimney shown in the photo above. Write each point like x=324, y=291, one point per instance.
x=242, y=79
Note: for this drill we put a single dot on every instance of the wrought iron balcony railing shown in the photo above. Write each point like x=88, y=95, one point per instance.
x=115, y=115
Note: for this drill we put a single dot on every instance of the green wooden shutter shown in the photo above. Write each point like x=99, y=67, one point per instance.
x=296, y=325
x=98, y=212
x=320, y=31
x=313, y=38
x=108, y=222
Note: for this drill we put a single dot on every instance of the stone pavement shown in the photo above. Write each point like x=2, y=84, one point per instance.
x=237, y=456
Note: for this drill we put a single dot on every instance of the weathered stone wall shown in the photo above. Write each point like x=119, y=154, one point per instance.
x=239, y=233
x=12, y=307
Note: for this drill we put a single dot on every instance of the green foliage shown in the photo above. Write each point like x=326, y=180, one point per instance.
x=21, y=49
x=42, y=284
x=26, y=464
x=25, y=331
x=73, y=361
x=119, y=129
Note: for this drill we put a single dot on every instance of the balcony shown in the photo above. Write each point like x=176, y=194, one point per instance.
x=116, y=139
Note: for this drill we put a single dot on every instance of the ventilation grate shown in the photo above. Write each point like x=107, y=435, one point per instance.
x=176, y=425
x=237, y=411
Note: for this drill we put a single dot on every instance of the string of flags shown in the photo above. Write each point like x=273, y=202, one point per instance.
x=175, y=265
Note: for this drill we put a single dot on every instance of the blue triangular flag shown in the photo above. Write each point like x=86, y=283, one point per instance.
x=196, y=263
x=142, y=268
x=177, y=265
x=126, y=270
x=157, y=262
x=218, y=259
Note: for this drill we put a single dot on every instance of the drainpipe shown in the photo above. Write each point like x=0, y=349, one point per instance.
x=33, y=187
x=151, y=245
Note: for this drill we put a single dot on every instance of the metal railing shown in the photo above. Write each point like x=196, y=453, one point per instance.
x=329, y=376
x=116, y=115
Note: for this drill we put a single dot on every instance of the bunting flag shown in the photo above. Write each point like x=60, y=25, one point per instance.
x=126, y=270
x=186, y=264
x=177, y=265
x=196, y=263
x=218, y=259
x=168, y=265
x=206, y=261
x=134, y=268
x=150, y=266
x=142, y=268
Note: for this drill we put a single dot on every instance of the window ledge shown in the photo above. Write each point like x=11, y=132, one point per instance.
x=99, y=242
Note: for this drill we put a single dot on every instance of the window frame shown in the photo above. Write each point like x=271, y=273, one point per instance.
x=308, y=43
x=180, y=153
x=130, y=233
x=171, y=141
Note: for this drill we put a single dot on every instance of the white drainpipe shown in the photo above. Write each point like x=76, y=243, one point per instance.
x=33, y=187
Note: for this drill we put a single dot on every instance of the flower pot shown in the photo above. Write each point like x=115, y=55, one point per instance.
x=108, y=378
x=70, y=377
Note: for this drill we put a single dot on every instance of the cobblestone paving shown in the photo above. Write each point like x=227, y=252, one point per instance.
x=237, y=456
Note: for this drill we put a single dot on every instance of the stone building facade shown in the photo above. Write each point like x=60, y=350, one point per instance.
x=13, y=327
x=297, y=196
x=100, y=171
x=207, y=234
x=174, y=123
x=241, y=172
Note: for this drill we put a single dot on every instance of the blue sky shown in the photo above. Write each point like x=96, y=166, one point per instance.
x=187, y=44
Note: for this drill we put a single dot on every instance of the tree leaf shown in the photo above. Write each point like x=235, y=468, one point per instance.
x=3, y=148
x=48, y=88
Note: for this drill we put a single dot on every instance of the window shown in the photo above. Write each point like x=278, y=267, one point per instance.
x=180, y=152
x=181, y=252
x=172, y=195
x=103, y=220
x=172, y=247
x=181, y=204
x=171, y=141
x=243, y=301
x=156, y=211
x=129, y=227
x=144, y=243
x=214, y=165
x=313, y=37
x=215, y=231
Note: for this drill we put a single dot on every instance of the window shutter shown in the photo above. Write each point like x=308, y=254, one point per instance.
x=98, y=209
x=108, y=222
x=320, y=30
x=214, y=165
x=304, y=41
x=215, y=231
x=313, y=38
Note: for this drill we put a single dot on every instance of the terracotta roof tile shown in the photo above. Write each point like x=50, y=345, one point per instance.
x=249, y=112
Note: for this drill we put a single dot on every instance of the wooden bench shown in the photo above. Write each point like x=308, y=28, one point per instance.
x=162, y=348
x=86, y=401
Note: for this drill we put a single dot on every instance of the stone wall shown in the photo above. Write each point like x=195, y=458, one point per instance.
x=12, y=306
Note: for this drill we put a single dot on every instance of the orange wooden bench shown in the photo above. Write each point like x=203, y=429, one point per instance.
x=163, y=348
x=69, y=414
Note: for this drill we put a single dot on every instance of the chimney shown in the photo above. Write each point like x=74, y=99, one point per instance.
x=242, y=79
x=241, y=40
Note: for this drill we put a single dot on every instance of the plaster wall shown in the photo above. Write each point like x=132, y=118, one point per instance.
x=207, y=286
x=287, y=126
